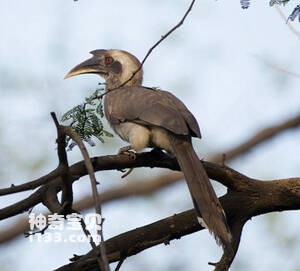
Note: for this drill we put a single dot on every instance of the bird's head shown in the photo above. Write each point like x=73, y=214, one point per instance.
x=115, y=66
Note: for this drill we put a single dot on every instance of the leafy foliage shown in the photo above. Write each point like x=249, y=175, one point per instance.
x=245, y=3
x=85, y=119
x=296, y=12
x=278, y=2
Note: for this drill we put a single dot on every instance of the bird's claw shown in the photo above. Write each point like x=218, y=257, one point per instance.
x=127, y=150
x=127, y=173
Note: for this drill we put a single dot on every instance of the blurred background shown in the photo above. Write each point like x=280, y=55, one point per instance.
x=225, y=63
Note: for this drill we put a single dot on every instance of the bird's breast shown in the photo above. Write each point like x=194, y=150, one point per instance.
x=137, y=135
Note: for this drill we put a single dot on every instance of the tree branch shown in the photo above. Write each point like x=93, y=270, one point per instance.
x=249, y=198
x=124, y=190
x=67, y=190
x=134, y=188
x=67, y=194
x=258, y=138
x=236, y=182
x=163, y=37
x=246, y=197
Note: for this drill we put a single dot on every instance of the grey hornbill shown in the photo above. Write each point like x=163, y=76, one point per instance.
x=148, y=117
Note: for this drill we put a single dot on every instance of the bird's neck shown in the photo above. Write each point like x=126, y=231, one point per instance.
x=125, y=80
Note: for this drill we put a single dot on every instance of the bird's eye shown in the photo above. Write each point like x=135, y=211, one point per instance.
x=108, y=60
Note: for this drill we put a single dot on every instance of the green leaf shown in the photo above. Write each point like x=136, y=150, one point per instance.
x=86, y=120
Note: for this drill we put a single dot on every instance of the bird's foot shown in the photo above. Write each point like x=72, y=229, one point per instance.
x=128, y=150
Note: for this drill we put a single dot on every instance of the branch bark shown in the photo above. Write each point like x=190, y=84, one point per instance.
x=243, y=191
x=246, y=198
x=134, y=188
x=66, y=187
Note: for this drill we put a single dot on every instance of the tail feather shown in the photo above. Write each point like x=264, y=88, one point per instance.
x=206, y=203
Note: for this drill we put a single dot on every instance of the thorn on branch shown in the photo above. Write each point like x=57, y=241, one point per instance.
x=42, y=231
x=167, y=241
x=75, y=258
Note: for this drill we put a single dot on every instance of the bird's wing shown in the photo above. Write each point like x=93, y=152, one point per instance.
x=151, y=107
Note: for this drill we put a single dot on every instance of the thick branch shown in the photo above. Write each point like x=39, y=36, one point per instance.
x=113, y=162
x=252, y=198
x=137, y=240
x=124, y=190
x=245, y=198
x=219, y=173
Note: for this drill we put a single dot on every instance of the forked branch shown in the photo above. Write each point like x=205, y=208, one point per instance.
x=245, y=198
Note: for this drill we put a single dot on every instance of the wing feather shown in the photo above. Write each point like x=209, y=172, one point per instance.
x=150, y=107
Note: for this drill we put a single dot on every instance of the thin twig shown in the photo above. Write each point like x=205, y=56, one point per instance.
x=75, y=137
x=42, y=231
x=87, y=233
x=32, y=184
x=260, y=137
x=163, y=37
x=67, y=190
x=276, y=67
x=103, y=262
x=55, y=173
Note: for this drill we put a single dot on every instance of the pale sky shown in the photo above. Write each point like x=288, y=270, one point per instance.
x=213, y=63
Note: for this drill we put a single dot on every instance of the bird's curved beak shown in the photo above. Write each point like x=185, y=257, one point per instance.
x=92, y=65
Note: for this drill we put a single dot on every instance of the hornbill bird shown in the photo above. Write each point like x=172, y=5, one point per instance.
x=149, y=117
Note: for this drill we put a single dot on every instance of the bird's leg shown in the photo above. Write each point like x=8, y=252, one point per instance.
x=127, y=150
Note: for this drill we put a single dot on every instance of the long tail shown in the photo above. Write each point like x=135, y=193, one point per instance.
x=205, y=201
